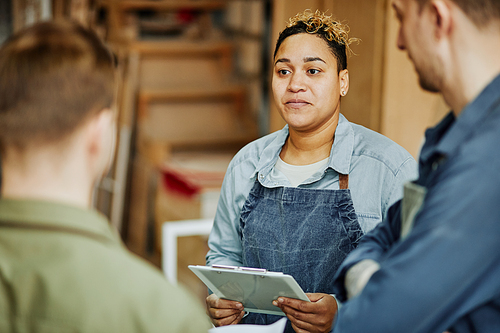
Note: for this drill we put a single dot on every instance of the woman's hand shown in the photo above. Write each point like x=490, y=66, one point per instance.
x=314, y=316
x=224, y=312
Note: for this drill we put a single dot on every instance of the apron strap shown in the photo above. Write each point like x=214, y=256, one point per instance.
x=344, y=181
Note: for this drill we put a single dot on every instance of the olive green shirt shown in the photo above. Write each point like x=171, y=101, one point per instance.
x=64, y=269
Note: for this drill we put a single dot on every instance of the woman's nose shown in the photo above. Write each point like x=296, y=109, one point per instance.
x=296, y=83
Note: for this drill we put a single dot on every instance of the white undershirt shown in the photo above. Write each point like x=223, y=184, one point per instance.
x=296, y=174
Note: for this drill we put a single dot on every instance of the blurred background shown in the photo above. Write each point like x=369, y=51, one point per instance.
x=194, y=87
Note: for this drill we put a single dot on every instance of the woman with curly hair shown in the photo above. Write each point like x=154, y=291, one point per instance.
x=298, y=200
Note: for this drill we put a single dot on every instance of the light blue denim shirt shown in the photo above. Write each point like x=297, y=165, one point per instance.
x=377, y=169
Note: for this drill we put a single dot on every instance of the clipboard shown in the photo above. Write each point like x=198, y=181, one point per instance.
x=255, y=288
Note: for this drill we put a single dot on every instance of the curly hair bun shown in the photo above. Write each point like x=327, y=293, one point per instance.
x=333, y=29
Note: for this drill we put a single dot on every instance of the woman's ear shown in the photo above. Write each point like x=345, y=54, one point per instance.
x=344, y=82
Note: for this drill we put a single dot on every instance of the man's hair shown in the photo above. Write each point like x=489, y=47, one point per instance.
x=334, y=33
x=53, y=77
x=481, y=12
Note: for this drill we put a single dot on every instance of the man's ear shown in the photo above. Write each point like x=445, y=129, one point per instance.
x=100, y=138
x=344, y=81
x=442, y=18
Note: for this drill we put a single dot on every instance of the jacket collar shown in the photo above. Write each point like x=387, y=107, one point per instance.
x=451, y=132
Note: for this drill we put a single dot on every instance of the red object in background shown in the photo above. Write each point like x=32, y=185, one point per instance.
x=186, y=16
x=177, y=183
x=188, y=182
x=191, y=174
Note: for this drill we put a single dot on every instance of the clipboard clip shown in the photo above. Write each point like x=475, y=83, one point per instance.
x=236, y=268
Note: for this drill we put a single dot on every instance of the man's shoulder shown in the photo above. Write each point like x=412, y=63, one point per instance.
x=142, y=291
x=480, y=151
x=125, y=275
x=104, y=288
x=487, y=134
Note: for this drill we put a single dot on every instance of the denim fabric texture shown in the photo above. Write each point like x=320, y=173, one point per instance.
x=301, y=232
x=305, y=233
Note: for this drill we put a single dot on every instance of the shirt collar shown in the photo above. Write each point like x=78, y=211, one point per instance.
x=451, y=132
x=342, y=149
x=56, y=215
x=433, y=136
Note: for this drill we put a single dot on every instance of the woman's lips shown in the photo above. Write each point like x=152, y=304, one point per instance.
x=296, y=103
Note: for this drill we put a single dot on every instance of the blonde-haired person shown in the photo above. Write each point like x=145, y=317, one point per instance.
x=298, y=200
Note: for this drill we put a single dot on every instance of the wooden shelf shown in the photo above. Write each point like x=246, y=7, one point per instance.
x=180, y=47
x=186, y=97
x=240, y=132
x=165, y=5
x=191, y=94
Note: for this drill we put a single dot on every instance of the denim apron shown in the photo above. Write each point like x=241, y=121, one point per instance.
x=306, y=233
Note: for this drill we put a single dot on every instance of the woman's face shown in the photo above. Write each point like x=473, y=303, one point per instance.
x=306, y=85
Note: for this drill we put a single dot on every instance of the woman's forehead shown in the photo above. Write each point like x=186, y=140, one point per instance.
x=304, y=45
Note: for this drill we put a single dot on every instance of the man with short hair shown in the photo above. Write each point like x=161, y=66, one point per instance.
x=62, y=267
x=434, y=264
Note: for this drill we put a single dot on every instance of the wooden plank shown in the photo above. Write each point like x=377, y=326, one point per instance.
x=362, y=105
x=143, y=176
x=193, y=116
x=129, y=90
x=185, y=48
x=168, y=5
x=192, y=94
x=250, y=56
x=79, y=11
x=115, y=32
x=173, y=64
x=181, y=51
x=378, y=65
x=125, y=126
x=18, y=9
x=195, y=122
x=58, y=9
x=170, y=73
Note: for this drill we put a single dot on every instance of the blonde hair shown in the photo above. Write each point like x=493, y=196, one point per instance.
x=334, y=30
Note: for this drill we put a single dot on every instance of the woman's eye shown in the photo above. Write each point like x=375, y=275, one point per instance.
x=313, y=71
x=283, y=71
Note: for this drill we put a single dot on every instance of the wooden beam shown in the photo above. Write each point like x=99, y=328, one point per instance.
x=167, y=5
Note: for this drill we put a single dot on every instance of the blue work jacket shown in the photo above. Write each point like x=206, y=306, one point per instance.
x=445, y=275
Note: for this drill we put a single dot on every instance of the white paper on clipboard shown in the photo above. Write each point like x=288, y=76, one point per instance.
x=254, y=288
